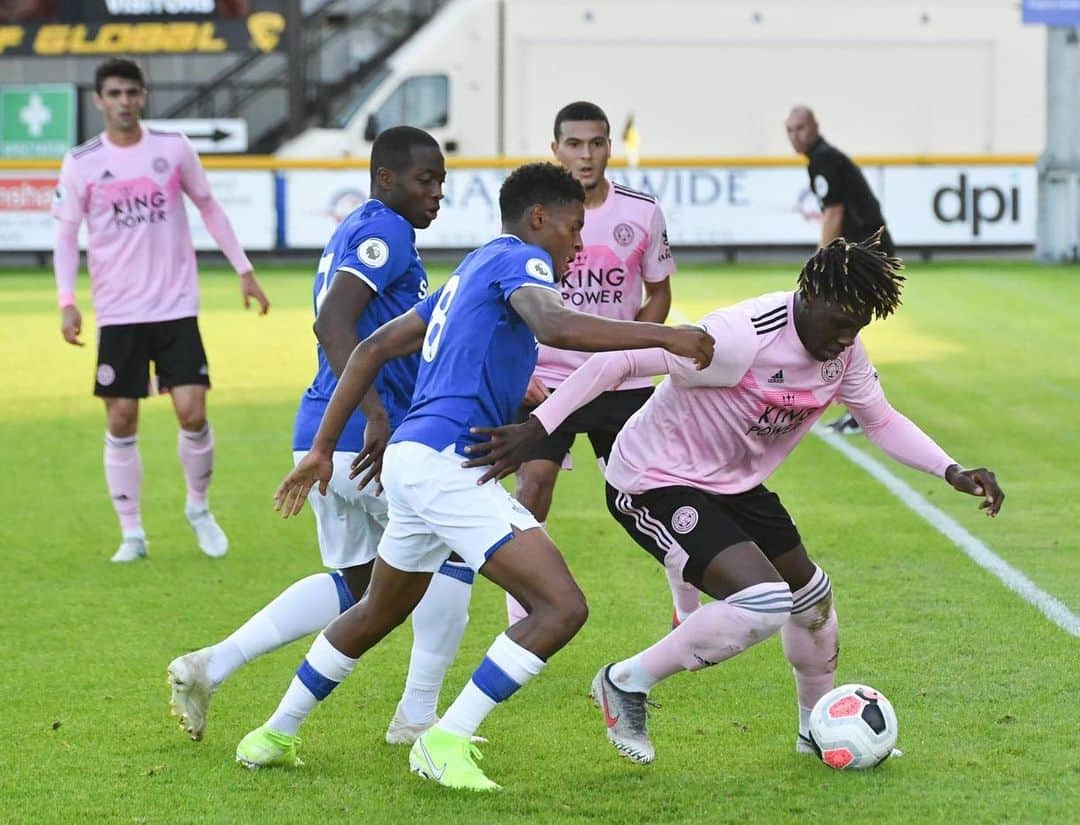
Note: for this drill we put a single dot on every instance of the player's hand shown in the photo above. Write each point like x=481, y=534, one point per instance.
x=536, y=392
x=506, y=448
x=249, y=288
x=71, y=325
x=369, y=460
x=979, y=482
x=691, y=342
x=293, y=491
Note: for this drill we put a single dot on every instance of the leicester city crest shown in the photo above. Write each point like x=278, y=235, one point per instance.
x=623, y=234
x=831, y=370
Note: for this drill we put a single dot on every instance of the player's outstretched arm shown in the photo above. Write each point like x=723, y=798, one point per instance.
x=508, y=446
x=977, y=482
x=314, y=468
x=196, y=186
x=66, y=271
x=402, y=336
x=555, y=325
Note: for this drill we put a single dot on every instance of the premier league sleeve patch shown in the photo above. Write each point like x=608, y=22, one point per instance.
x=373, y=252
x=540, y=270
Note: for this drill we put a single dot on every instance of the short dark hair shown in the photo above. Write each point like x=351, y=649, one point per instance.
x=581, y=110
x=393, y=148
x=533, y=183
x=857, y=277
x=118, y=67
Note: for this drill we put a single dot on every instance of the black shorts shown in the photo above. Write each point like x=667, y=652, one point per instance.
x=670, y=519
x=600, y=419
x=126, y=350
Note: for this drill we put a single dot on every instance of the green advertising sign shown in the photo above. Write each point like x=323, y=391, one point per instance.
x=37, y=121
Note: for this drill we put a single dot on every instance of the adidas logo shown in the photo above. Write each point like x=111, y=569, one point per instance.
x=107, y=175
x=777, y=377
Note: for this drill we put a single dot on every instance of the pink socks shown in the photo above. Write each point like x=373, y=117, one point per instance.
x=810, y=639
x=196, y=451
x=123, y=476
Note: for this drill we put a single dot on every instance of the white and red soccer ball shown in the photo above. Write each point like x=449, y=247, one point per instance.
x=854, y=726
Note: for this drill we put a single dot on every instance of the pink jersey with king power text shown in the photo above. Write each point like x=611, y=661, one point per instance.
x=726, y=428
x=625, y=243
x=141, y=258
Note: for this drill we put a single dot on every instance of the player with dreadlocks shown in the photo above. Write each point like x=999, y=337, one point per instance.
x=686, y=473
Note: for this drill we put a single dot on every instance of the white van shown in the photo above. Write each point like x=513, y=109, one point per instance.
x=709, y=77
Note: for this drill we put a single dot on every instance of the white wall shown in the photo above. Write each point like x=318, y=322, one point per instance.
x=717, y=77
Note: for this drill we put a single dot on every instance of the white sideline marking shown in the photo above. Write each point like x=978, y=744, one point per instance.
x=973, y=548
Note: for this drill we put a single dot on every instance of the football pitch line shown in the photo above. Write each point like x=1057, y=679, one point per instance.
x=972, y=547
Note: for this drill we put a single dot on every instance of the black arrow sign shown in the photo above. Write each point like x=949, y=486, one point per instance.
x=215, y=136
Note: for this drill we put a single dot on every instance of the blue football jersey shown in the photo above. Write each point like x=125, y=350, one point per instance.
x=375, y=244
x=478, y=354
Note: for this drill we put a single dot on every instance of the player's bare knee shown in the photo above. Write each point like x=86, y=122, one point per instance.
x=572, y=611
x=192, y=421
x=123, y=427
x=560, y=616
x=122, y=417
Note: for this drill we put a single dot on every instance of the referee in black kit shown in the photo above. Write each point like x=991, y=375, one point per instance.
x=848, y=206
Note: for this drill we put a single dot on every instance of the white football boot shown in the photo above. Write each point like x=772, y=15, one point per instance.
x=212, y=539
x=192, y=691
x=626, y=718
x=403, y=732
x=132, y=548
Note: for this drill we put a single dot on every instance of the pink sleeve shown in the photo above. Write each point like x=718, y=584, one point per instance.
x=896, y=434
x=197, y=187
x=69, y=199
x=734, y=352
x=66, y=261
x=657, y=263
x=602, y=372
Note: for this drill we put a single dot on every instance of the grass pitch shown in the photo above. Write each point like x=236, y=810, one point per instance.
x=985, y=687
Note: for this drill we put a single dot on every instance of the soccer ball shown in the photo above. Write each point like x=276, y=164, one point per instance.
x=854, y=726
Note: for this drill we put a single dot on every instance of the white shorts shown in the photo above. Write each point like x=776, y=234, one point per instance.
x=350, y=522
x=437, y=508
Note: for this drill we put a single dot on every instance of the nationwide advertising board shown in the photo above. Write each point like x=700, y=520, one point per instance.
x=925, y=206
x=713, y=206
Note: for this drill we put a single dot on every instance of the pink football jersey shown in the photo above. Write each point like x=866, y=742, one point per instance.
x=625, y=243
x=726, y=428
x=141, y=258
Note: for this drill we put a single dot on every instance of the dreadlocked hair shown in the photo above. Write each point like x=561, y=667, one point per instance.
x=855, y=276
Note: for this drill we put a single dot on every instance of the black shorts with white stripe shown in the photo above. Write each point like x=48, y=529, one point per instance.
x=672, y=521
